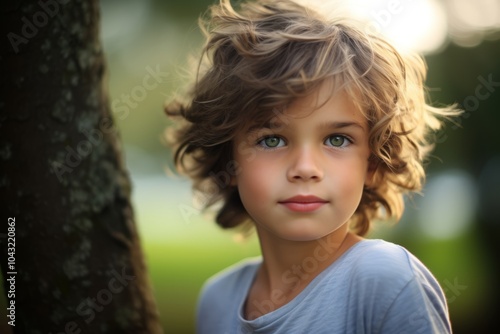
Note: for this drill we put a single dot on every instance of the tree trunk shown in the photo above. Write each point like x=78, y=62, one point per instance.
x=76, y=265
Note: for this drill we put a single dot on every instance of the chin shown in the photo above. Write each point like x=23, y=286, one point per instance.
x=304, y=234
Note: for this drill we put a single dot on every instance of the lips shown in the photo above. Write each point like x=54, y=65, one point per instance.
x=303, y=203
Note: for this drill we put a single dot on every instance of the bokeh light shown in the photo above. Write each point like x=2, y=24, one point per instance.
x=424, y=26
x=448, y=206
x=471, y=20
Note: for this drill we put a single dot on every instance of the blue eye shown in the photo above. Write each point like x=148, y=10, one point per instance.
x=337, y=141
x=271, y=142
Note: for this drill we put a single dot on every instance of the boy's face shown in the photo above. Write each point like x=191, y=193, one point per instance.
x=301, y=177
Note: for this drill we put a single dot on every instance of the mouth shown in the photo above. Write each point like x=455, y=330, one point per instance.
x=303, y=203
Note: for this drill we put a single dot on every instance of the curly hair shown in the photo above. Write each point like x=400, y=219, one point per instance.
x=266, y=54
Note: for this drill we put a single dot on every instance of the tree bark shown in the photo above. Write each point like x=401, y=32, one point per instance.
x=77, y=264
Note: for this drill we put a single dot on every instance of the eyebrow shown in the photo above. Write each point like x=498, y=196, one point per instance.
x=267, y=125
x=342, y=125
x=325, y=125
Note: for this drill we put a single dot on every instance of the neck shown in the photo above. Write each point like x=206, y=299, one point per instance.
x=289, y=266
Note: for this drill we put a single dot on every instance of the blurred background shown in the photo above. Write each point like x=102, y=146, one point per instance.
x=453, y=228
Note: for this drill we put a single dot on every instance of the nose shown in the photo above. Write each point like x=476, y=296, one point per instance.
x=305, y=165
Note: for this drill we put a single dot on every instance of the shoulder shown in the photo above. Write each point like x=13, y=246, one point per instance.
x=221, y=297
x=233, y=275
x=227, y=284
x=394, y=284
x=382, y=260
x=387, y=271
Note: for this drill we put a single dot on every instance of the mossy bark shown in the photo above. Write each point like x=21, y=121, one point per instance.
x=80, y=268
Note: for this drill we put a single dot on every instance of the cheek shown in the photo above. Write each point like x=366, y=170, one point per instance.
x=255, y=179
x=352, y=178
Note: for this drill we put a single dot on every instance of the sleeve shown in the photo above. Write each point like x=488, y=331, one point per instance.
x=420, y=307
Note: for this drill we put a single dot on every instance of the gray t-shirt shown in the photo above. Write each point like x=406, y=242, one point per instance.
x=374, y=287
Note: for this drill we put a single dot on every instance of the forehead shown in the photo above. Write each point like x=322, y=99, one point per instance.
x=325, y=99
x=324, y=104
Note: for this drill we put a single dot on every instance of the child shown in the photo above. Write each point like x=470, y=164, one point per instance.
x=309, y=129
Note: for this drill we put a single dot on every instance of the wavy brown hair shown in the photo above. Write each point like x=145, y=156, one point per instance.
x=265, y=54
